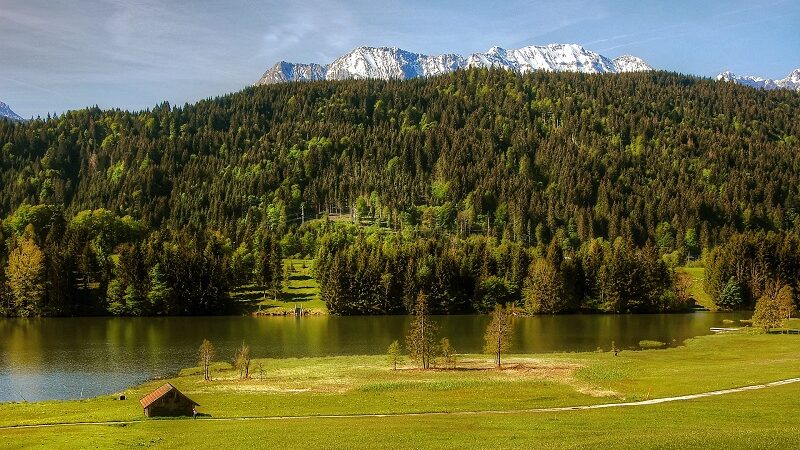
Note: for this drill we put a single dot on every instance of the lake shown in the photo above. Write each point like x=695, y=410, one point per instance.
x=69, y=358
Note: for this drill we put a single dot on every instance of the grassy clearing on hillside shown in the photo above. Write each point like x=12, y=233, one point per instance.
x=697, y=275
x=300, y=290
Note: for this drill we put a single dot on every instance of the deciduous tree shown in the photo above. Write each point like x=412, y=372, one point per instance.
x=768, y=313
x=25, y=277
x=206, y=354
x=497, y=339
x=241, y=361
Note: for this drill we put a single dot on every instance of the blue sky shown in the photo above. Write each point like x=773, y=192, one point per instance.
x=57, y=55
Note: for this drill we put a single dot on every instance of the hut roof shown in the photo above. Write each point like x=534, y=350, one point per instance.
x=150, y=398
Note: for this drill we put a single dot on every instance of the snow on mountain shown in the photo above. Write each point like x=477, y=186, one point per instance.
x=551, y=58
x=6, y=112
x=630, y=63
x=390, y=63
x=284, y=71
x=394, y=63
x=792, y=81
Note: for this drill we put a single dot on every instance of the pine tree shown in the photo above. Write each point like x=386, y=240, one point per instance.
x=731, y=295
x=159, y=293
x=448, y=353
x=421, y=337
x=785, y=302
x=265, y=264
x=544, y=289
x=276, y=260
x=394, y=355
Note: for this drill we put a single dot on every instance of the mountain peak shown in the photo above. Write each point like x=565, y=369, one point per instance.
x=630, y=63
x=791, y=82
x=284, y=71
x=6, y=112
x=395, y=63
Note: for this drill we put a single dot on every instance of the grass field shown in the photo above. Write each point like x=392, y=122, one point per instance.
x=697, y=275
x=365, y=385
x=300, y=290
x=761, y=419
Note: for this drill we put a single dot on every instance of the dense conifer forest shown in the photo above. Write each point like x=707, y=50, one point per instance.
x=555, y=191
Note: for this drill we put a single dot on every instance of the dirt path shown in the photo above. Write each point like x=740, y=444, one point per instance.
x=654, y=401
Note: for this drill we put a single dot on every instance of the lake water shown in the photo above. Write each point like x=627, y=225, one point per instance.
x=68, y=358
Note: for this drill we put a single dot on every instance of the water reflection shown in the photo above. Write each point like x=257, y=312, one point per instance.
x=61, y=358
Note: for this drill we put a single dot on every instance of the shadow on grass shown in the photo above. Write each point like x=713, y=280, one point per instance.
x=300, y=277
x=292, y=297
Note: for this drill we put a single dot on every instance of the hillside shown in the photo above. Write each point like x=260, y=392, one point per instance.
x=601, y=155
x=555, y=191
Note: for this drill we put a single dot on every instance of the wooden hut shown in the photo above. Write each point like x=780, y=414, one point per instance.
x=167, y=401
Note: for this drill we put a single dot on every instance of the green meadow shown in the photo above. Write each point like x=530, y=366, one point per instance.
x=480, y=406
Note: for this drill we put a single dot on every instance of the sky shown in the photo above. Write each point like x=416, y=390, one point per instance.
x=57, y=55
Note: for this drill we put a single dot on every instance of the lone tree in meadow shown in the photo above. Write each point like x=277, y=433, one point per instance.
x=772, y=310
x=499, y=333
x=241, y=361
x=448, y=353
x=205, y=356
x=767, y=314
x=394, y=356
x=421, y=339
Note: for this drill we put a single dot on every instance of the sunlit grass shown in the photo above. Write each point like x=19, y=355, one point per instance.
x=366, y=384
x=697, y=276
x=301, y=289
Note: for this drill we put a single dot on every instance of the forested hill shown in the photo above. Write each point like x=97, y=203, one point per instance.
x=540, y=154
x=557, y=192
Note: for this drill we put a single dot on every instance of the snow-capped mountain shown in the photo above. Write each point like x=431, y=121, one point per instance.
x=6, y=112
x=630, y=63
x=284, y=71
x=394, y=63
x=792, y=81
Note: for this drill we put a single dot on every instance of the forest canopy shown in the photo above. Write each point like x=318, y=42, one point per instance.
x=656, y=167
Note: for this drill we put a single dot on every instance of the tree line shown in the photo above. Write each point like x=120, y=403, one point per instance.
x=383, y=273
x=97, y=263
x=756, y=267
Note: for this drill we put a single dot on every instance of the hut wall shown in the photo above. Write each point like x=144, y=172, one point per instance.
x=171, y=404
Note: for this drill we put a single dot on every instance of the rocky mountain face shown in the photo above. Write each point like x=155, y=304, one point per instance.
x=6, y=112
x=394, y=63
x=792, y=81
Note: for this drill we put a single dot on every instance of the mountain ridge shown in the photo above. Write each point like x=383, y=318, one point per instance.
x=6, y=112
x=791, y=81
x=395, y=63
